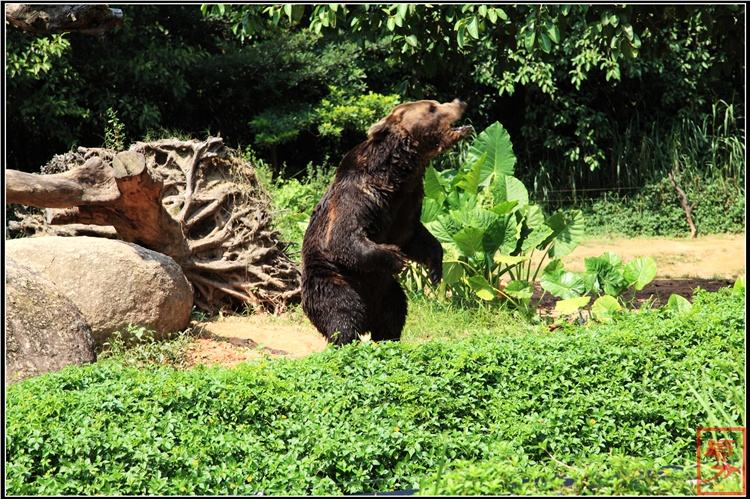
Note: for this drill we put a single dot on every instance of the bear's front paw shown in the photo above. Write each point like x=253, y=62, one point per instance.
x=436, y=274
x=396, y=256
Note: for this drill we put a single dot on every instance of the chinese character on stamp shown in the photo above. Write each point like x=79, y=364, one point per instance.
x=721, y=455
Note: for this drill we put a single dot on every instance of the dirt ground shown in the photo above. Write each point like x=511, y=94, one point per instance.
x=707, y=257
x=708, y=262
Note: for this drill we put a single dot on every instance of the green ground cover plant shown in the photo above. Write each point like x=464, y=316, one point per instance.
x=655, y=210
x=608, y=285
x=611, y=401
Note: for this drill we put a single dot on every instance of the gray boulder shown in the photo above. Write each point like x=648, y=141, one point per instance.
x=112, y=282
x=44, y=330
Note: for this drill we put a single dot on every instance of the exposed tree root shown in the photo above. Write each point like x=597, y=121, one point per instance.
x=195, y=201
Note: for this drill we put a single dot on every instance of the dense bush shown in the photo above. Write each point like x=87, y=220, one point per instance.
x=568, y=80
x=656, y=211
x=575, y=85
x=293, y=200
x=168, y=68
x=387, y=416
x=602, y=475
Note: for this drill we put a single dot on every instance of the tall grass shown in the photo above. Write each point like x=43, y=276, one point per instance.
x=702, y=149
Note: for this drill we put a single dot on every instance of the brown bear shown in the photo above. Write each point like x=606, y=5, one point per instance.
x=367, y=225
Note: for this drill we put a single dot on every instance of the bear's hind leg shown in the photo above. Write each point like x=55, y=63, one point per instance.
x=387, y=325
x=335, y=309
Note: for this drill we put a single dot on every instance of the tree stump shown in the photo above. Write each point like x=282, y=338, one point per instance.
x=195, y=201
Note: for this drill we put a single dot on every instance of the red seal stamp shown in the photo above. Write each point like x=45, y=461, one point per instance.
x=721, y=461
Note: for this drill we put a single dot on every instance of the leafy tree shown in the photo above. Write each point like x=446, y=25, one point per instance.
x=578, y=74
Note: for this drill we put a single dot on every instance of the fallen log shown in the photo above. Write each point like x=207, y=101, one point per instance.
x=90, y=19
x=191, y=200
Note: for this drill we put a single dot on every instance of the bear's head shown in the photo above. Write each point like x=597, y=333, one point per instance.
x=427, y=123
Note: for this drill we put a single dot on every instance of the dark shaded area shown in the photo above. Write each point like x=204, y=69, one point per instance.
x=171, y=71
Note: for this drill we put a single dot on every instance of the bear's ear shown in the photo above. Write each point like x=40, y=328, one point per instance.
x=379, y=129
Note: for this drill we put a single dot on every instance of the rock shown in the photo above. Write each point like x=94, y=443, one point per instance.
x=44, y=331
x=113, y=283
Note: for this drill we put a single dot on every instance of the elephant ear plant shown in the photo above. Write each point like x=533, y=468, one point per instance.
x=495, y=241
x=607, y=279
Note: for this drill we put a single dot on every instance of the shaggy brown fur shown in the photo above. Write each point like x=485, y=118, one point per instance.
x=367, y=225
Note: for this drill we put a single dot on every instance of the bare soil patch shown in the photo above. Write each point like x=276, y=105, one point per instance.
x=235, y=339
x=708, y=262
x=706, y=257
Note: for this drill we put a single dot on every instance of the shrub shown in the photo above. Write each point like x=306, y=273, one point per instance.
x=656, y=211
x=294, y=200
x=600, y=475
x=385, y=416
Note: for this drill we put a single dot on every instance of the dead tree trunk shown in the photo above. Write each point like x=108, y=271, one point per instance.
x=685, y=205
x=91, y=19
x=193, y=201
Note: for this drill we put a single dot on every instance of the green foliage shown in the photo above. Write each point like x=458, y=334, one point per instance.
x=656, y=211
x=515, y=474
x=169, y=68
x=612, y=401
x=606, y=280
x=595, y=96
x=488, y=229
x=678, y=304
x=339, y=111
x=576, y=73
x=293, y=200
x=34, y=57
x=281, y=124
x=114, y=131
x=137, y=346
x=707, y=156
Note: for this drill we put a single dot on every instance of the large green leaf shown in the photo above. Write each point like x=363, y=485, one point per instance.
x=534, y=216
x=519, y=289
x=613, y=283
x=464, y=201
x=563, y=284
x=605, y=307
x=433, y=188
x=535, y=238
x=678, y=304
x=571, y=305
x=440, y=229
x=554, y=267
x=608, y=272
x=501, y=235
x=640, y=271
x=504, y=208
x=567, y=231
x=495, y=142
x=431, y=208
x=482, y=288
x=476, y=217
x=603, y=263
x=469, y=240
x=507, y=188
x=471, y=178
x=591, y=282
x=452, y=272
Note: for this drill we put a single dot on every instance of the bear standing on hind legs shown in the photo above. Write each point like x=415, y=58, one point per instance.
x=367, y=225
